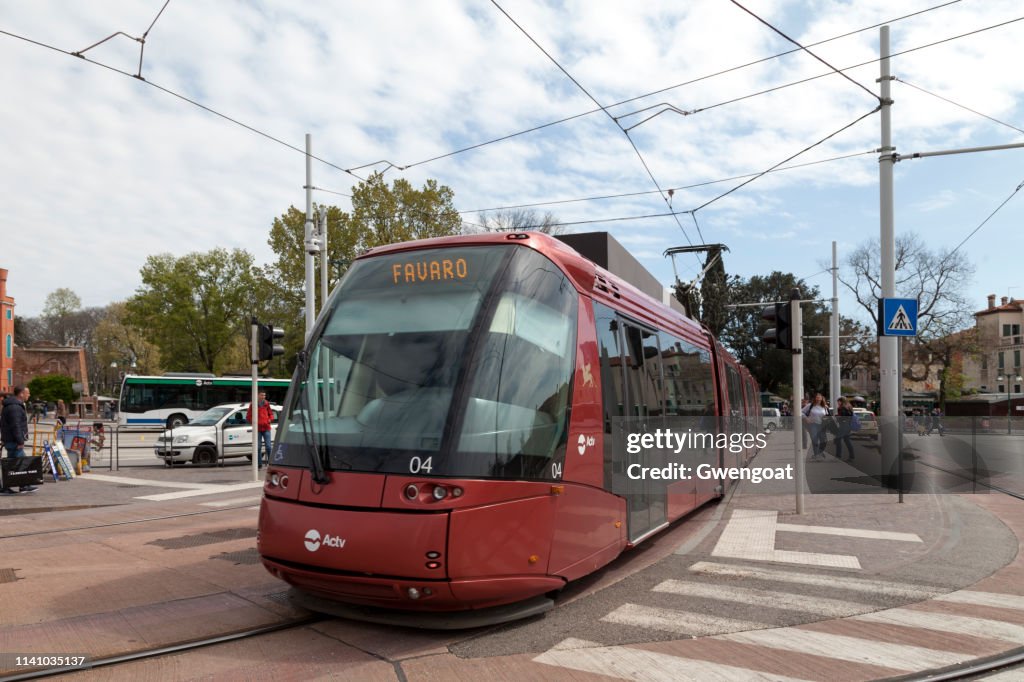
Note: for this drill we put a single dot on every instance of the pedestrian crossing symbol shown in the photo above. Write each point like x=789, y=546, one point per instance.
x=897, y=317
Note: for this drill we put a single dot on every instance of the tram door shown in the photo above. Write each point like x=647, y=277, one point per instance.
x=647, y=498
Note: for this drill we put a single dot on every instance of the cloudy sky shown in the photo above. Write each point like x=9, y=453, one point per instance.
x=101, y=170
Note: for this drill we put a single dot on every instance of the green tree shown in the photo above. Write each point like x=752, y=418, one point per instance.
x=197, y=307
x=122, y=347
x=380, y=215
x=51, y=388
x=742, y=332
x=518, y=219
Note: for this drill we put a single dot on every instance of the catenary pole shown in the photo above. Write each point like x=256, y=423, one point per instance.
x=797, y=330
x=889, y=379
x=834, y=380
x=255, y=421
x=309, y=242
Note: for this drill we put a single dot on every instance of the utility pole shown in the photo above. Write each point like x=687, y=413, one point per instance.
x=311, y=244
x=889, y=361
x=835, y=388
x=323, y=257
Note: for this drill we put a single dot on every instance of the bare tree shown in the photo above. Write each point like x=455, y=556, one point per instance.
x=937, y=280
x=519, y=220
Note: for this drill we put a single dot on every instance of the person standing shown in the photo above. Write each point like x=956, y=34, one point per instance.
x=264, y=417
x=845, y=413
x=61, y=413
x=14, y=430
x=816, y=412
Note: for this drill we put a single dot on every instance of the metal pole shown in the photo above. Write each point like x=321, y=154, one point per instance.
x=798, y=393
x=887, y=351
x=255, y=421
x=324, y=253
x=834, y=380
x=899, y=423
x=310, y=272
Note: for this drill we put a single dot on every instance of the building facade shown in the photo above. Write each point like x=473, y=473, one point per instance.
x=997, y=367
x=49, y=358
x=6, y=336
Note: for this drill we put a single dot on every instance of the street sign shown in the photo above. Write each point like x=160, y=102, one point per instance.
x=897, y=317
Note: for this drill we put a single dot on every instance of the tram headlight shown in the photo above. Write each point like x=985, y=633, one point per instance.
x=440, y=492
x=456, y=492
x=413, y=593
x=411, y=491
x=275, y=480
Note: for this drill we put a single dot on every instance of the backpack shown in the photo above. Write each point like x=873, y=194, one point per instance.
x=855, y=422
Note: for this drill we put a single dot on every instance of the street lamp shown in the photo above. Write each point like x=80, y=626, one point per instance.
x=1007, y=379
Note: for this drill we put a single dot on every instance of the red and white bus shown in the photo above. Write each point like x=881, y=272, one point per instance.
x=450, y=441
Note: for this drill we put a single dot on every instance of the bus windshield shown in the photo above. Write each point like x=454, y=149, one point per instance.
x=451, y=362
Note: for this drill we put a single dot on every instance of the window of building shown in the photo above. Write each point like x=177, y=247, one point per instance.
x=1016, y=359
x=1006, y=330
x=984, y=362
x=1001, y=360
x=10, y=378
x=10, y=313
x=1001, y=389
x=10, y=346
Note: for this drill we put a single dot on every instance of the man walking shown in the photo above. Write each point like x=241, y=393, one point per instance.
x=14, y=430
x=264, y=416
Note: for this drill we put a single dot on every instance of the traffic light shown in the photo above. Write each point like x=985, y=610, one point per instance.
x=267, y=335
x=782, y=333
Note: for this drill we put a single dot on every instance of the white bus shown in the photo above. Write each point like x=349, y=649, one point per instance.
x=173, y=399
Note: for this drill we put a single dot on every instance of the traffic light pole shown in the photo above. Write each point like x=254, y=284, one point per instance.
x=255, y=358
x=798, y=391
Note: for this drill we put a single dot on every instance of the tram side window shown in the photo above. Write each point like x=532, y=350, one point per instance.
x=643, y=372
x=611, y=364
x=689, y=378
x=735, y=398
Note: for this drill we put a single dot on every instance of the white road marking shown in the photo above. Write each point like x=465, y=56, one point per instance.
x=854, y=649
x=678, y=622
x=649, y=666
x=207, y=490
x=226, y=503
x=944, y=622
x=831, y=608
x=848, y=532
x=832, y=581
x=1003, y=601
x=750, y=534
x=143, y=481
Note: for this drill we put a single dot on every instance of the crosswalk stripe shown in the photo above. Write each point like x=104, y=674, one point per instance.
x=675, y=621
x=834, y=582
x=650, y=666
x=1003, y=601
x=831, y=608
x=848, y=532
x=945, y=622
x=854, y=649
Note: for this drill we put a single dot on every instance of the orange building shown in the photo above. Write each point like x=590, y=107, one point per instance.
x=6, y=336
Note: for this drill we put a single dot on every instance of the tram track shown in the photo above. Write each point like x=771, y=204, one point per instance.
x=113, y=524
x=156, y=652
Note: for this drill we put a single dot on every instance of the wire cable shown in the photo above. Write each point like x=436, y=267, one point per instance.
x=805, y=149
x=643, y=162
x=975, y=230
x=184, y=99
x=776, y=30
x=957, y=104
x=671, y=189
x=671, y=87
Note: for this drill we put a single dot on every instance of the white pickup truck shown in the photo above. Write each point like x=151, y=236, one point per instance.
x=221, y=431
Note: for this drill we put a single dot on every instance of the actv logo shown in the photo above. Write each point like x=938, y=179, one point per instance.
x=313, y=540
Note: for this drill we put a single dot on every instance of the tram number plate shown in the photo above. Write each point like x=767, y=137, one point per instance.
x=416, y=465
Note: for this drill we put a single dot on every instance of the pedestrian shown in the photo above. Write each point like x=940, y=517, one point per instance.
x=14, y=430
x=845, y=413
x=815, y=414
x=61, y=412
x=264, y=416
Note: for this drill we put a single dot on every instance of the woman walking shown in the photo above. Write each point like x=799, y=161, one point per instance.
x=815, y=414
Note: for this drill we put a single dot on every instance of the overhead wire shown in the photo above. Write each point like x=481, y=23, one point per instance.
x=957, y=104
x=643, y=162
x=975, y=230
x=671, y=87
x=776, y=30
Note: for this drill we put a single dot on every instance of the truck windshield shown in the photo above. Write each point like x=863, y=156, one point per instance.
x=451, y=362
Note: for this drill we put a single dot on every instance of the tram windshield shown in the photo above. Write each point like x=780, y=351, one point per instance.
x=442, y=362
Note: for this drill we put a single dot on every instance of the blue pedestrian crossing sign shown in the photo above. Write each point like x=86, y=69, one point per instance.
x=897, y=317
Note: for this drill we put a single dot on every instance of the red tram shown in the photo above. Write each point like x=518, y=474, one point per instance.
x=447, y=443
